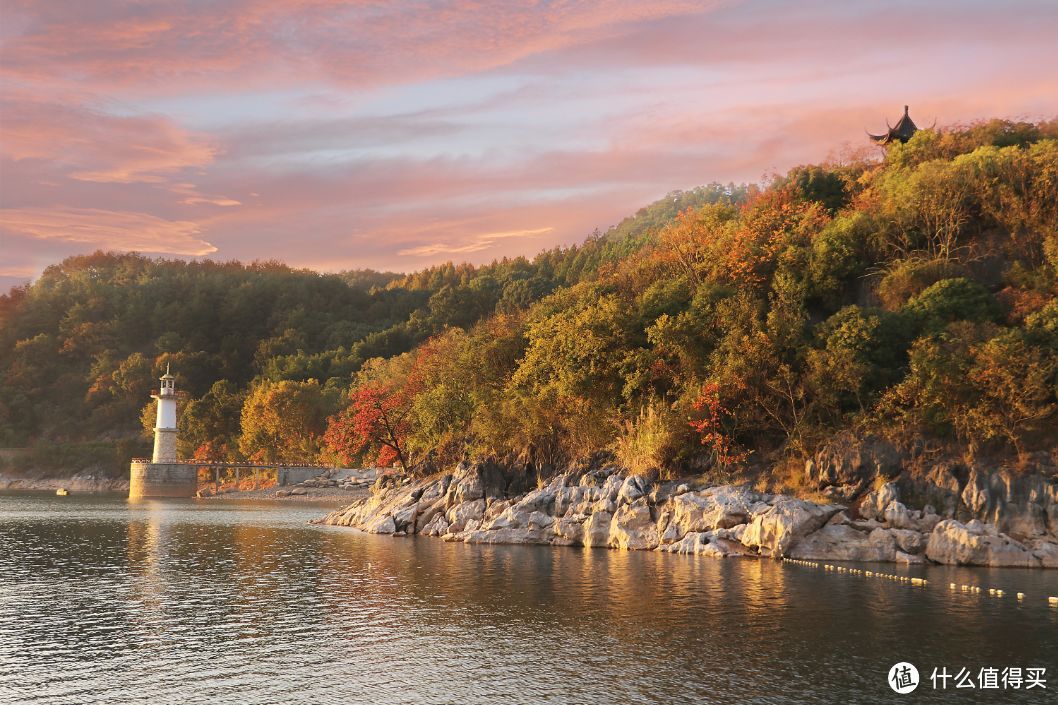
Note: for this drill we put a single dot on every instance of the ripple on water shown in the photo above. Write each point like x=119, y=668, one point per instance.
x=106, y=602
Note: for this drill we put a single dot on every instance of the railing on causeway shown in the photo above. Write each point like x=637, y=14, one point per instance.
x=235, y=464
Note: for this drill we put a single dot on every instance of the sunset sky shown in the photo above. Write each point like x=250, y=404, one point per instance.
x=338, y=135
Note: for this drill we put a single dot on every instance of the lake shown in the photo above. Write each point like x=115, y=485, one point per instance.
x=102, y=601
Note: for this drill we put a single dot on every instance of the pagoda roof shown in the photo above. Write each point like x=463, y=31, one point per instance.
x=902, y=131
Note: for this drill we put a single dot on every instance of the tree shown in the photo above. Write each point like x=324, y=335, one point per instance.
x=282, y=421
x=1013, y=381
x=713, y=423
x=210, y=425
x=958, y=299
x=377, y=419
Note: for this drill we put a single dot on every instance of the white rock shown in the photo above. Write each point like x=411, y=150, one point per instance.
x=974, y=543
x=909, y=559
x=711, y=509
x=633, y=529
x=460, y=514
x=874, y=503
x=597, y=529
x=909, y=541
x=502, y=536
x=841, y=542
x=539, y=520
x=438, y=526
x=381, y=525
x=569, y=530
x=774, y=531
x=634, y=487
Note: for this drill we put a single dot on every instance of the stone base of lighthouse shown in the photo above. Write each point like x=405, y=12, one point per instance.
x=161, y=480
x=164, y=445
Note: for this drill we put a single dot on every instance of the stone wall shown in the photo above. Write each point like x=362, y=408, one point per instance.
x=162, y=480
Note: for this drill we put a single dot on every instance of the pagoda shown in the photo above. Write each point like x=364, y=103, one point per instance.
x=902, y=131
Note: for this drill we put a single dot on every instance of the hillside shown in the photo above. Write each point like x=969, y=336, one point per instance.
x=912, y=297
x=81, y=347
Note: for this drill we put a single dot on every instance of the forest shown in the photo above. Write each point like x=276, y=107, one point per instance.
x=910, y=294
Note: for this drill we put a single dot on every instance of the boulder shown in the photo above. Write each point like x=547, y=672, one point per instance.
x=776, y=530
x=502, y=536
x=909, y=558
x=634, y=487
x=974, y=543
x=597, y=529
x=910, y=541
x=842, y=542
x=438, y=526
x=570, y=498
x=611, y=486
x=716, y=544
x=569, y=531
x=695, y=542
x=460, y=514
x=633, y=528
x=434, y=490
x=472, y=481
x=404, y=518
x=852, y=461
x=381, y=525
x=426, y=513
x=495, y=508
x=519, y=513
x=1046, y=550
x=716, y=507
x=875, y=502
x=539, y=520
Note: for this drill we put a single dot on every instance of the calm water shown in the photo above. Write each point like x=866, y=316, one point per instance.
x=106, y=602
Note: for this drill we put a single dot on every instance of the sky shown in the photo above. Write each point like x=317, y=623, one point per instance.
x=341, y=135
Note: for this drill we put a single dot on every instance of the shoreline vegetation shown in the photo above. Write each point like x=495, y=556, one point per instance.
x=884, y=317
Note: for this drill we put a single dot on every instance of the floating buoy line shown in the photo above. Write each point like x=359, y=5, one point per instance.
x=918, y=582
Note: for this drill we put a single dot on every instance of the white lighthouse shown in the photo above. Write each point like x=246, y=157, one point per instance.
x=165, y=425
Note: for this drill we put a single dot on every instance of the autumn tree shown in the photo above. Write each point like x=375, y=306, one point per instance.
x=376, y=420
x=282, y=421
x=713, y=422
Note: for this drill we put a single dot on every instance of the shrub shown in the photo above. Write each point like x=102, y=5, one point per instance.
x=949, y=300
x=906, y=278
x=649, y=443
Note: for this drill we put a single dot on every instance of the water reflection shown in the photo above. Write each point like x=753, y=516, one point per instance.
x=106, y=602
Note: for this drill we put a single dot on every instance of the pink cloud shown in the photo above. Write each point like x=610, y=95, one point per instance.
x=105, y=229
x=262, y=41
x=96, y=146
x=552, y=119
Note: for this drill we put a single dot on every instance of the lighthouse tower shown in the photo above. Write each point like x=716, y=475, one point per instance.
x=163, y=476
x=165, y=425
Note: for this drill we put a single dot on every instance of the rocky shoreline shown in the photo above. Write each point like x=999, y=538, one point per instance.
x=485, y=503
x=82, y=483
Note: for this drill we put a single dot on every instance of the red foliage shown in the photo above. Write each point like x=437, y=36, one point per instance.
x=210, y=451
x=1019, y=303
x=714, y=413
x=376, y=418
